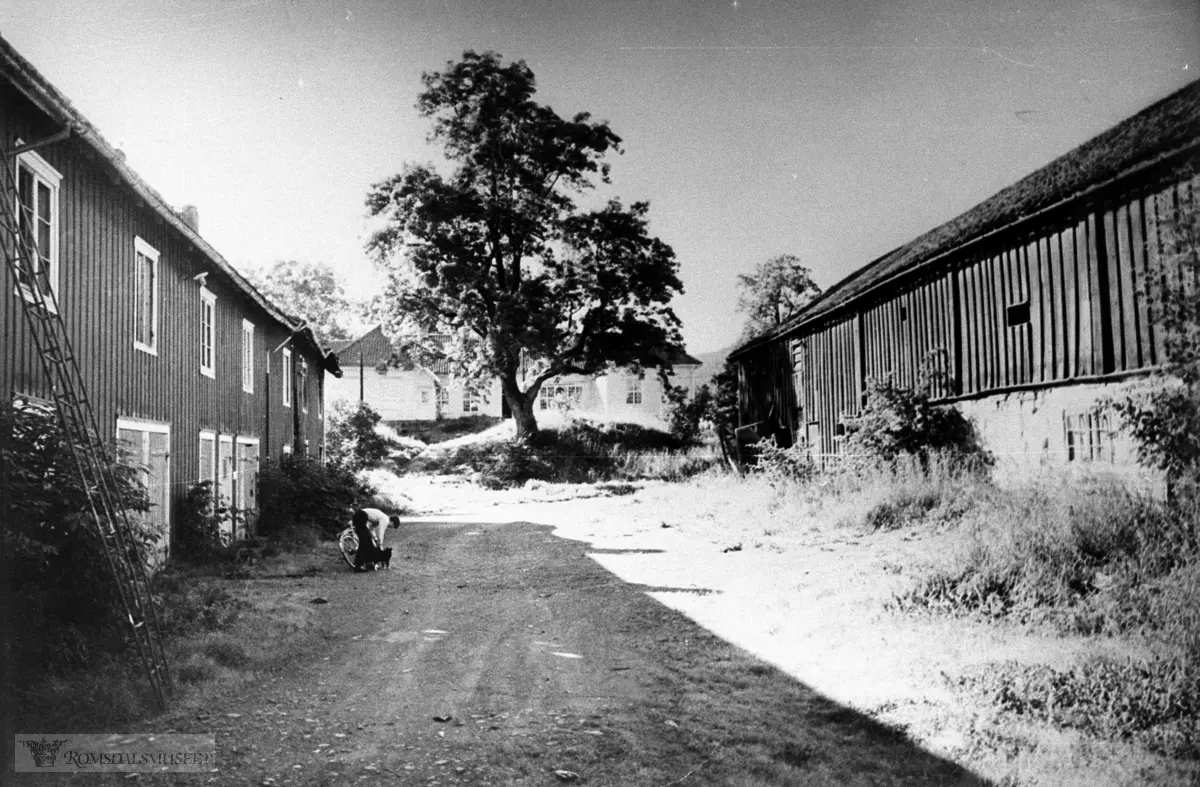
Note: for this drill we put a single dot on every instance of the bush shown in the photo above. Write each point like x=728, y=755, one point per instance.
x=685, y=414
x=61, y=605
x=298, y=492
x=898, y=421
x=783, y=466
x=201, y=521
x=351, y=440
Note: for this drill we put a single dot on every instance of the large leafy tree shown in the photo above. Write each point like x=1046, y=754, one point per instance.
x=497, y=254
x=776, y=291
x=310, y=291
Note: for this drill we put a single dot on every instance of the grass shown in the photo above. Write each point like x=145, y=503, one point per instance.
x=1069, y=555
x=219, y=626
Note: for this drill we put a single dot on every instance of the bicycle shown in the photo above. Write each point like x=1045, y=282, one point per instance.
x=348, y=544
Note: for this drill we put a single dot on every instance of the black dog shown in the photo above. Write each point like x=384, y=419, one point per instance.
x=384, y=557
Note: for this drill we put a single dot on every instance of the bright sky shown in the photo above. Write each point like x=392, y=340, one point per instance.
x=833, y=130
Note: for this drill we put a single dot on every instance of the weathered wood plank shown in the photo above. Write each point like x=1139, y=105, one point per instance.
x=1058, y=305
x=1038, y=346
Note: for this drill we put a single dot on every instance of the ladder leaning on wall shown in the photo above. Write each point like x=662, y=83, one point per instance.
x=91, y=454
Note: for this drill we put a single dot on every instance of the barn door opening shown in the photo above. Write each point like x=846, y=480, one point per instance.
x=147, y=446
x=247, y=485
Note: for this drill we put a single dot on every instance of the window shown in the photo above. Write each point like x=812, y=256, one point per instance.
x=287, y=378
x=208, y=333
x=546, y=397
x=145, y=329
x=1017, y=314
x=208, y=456
x=443, y=397
x=471, y=400
x=304, y=385
x=247, y=356
x=425, y=395
x=37, y=206
x=633, y=390
x=1089, y=437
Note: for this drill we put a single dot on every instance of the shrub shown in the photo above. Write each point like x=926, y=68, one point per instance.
x=304, y=493
x=898, y=421
x=685, y=414
x=201, y=521
x=351, y=439
x=783, y=466
x=61, y=606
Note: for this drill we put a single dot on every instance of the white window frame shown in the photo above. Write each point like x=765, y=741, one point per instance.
x=208, y=335
x=247, y=356
x=143, y=249
x=41, y=170
x=424, y=394
x=634, y=393
x=146, y=427
x=287, y=378
x=208, y=434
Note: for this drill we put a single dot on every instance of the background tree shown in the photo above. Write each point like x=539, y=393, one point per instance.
x=498, y=255
x=776, y=291
x=310, y=291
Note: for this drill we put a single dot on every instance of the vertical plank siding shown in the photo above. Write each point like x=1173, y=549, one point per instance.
x=99, y=219
x=1087, y=277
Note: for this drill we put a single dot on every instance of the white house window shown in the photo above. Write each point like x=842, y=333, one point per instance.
x=633, y=390
x=208, y=456
x=426, y=395
x=471, y=400
x=546, y=397
x=37, y=207
x=247, y=356
x=287, y=378
x=443, y=397
x=145, y=331
x=208, y=333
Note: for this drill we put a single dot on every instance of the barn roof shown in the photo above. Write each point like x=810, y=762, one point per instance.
x=1162, y=130
x=47, y=98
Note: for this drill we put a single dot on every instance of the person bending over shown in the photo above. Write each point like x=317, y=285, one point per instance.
x=370, y=525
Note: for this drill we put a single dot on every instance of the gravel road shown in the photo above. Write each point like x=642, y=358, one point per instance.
x=497, y=654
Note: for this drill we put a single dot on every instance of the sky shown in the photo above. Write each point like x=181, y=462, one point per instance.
x=833, y=130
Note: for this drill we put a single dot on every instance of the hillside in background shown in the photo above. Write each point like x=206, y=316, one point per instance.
x=712, y=362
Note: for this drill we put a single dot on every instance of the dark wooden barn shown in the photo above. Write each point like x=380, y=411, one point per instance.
x=195, y=373
x=1033, y=303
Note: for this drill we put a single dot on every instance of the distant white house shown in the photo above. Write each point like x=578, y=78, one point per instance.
x=419, y=394
x=405, y=394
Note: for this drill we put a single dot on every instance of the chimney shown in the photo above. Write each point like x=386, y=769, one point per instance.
x=191, y=217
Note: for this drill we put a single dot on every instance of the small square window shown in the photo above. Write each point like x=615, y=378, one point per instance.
x=1017, y=314
x=1089, y=436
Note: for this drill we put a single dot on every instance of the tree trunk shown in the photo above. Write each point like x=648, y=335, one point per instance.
x=521, y=404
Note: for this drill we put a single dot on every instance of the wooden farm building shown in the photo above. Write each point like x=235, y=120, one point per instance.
x=1032, y=302
x=185, y=364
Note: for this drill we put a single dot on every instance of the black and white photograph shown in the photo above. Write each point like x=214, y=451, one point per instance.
x=625, y=393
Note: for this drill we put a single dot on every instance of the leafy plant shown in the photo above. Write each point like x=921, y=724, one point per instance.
x=61, y=603
x=351, y=439
x=686, y=414
x=495, y=253
x=298, y=492
x=202, y=522
x=898, y=421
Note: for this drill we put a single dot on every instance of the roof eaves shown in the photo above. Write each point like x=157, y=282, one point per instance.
x=48, y=98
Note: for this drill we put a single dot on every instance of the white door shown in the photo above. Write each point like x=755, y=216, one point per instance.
x=147, y=446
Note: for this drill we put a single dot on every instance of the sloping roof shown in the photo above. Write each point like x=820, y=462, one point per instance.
x=1164, y=129
x=370, y=349
x=38, y=90
x=682, y=359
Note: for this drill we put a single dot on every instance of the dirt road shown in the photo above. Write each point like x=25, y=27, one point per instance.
x=498, y=654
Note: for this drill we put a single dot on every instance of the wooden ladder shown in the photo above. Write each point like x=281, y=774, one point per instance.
x=91, y=455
